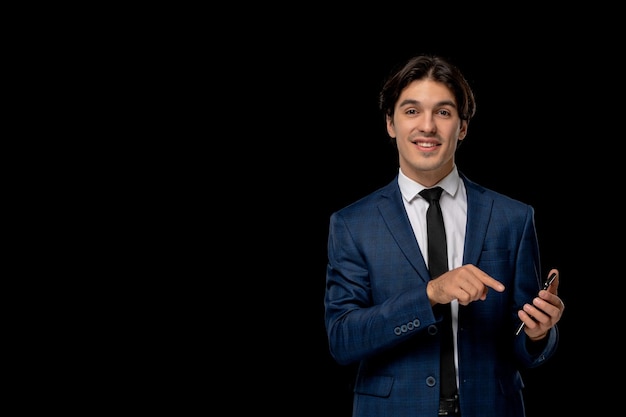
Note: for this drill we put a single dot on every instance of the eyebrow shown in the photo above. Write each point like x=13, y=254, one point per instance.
x=439, y=104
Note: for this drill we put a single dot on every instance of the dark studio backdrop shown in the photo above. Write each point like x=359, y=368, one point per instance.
x=278, y=127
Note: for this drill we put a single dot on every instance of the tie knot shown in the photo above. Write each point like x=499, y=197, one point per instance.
x=431, y=194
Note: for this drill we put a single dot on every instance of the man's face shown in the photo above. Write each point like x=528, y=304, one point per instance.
x=427, y=126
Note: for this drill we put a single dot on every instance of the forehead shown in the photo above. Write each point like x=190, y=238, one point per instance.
x=426, y=91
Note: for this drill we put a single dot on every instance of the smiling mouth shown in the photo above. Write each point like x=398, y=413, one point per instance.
x=426, y=144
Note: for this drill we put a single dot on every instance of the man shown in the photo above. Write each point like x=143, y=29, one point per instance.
x=380, y=301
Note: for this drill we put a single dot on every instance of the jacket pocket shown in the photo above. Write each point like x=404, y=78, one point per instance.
x=376, y=385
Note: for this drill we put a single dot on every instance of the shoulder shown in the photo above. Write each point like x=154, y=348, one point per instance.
x=484, y=195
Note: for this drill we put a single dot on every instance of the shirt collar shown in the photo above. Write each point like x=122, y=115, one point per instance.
x=410, y=189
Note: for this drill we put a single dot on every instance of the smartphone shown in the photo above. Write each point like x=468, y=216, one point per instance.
x=546, y=284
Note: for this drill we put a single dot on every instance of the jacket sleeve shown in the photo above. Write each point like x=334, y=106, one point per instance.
x=362, y=321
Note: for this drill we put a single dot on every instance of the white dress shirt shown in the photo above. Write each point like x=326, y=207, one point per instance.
x=453, y=202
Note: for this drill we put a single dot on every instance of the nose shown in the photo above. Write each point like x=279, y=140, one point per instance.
x=427, y=123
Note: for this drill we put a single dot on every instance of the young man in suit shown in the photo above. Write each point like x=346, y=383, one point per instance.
x=380, y=300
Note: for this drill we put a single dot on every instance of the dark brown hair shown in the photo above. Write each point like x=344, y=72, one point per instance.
x=430, y=67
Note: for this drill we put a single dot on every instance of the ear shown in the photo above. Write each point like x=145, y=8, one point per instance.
x=391, y=130
x=463, y=130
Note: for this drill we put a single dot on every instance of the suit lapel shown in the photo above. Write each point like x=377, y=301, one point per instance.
x=478, y=214
x=395, y=217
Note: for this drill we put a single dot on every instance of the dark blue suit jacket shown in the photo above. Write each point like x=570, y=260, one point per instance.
x=377, y=312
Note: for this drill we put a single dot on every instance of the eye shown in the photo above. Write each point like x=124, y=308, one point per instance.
x=444, y=112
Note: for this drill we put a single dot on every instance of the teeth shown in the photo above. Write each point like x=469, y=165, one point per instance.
x=426, y=145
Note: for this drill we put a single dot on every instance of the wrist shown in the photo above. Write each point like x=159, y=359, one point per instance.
x=538, y=338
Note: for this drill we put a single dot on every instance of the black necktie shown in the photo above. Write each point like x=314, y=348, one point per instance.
x=437, y=265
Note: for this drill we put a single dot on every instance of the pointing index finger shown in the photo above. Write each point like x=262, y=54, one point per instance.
x=492, y=283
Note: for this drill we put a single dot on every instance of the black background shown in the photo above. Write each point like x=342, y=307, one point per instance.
x=254, y=123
